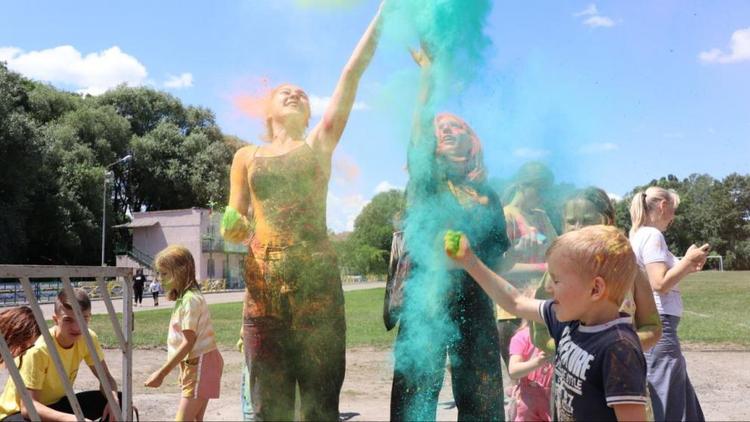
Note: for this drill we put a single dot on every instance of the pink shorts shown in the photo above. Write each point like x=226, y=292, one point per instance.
x=200, y=377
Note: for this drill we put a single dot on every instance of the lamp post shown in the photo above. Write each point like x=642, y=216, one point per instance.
x=104, y=198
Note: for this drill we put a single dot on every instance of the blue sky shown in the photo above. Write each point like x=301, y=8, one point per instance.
x=607, y=93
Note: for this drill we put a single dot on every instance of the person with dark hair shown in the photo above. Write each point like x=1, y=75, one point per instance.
x=19, y=329
x=41, y=378
x=138, y=281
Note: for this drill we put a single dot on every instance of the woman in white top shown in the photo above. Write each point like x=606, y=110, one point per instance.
x=651, y=212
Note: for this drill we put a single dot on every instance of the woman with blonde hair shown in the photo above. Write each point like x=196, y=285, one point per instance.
x=651, y=212
x=294, y=328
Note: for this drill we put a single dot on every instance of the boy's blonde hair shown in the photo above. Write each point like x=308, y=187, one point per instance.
x=601, y=251
x=178, y=261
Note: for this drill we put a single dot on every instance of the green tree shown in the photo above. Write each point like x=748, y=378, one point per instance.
x=374, y=227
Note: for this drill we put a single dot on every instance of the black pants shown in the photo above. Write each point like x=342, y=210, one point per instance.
x=138, y=291
x=475, y=364
x=156, y=298
x=279, y=357
x=92, y=405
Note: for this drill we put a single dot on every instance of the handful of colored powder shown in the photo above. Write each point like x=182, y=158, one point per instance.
x=452, y=243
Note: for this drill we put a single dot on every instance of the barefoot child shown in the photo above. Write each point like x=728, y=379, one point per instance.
x=191, y=343
x=599, y=365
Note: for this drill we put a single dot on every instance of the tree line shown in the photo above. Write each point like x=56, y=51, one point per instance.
x=711, y=211
x=55, y=147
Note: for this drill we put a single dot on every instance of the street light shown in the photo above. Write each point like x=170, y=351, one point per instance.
x=104, y=198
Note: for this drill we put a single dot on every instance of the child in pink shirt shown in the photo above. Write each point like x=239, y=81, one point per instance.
x=532, y=371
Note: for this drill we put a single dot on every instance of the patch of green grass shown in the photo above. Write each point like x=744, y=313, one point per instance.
x=364, y=322
x=364, y=319
x=716, y=309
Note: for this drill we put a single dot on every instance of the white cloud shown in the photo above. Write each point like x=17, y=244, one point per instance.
x=318, y=105
x=531, y=153
x=739, y=47
x=385, y=186
x=614, y=196
x=342, y=211
x=593, y=19
x=185, y=80
x=591, y=10
x=599, y=21
x=598, y=148
x=92, y=74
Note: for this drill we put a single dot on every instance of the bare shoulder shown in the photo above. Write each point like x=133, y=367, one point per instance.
x=244, y=155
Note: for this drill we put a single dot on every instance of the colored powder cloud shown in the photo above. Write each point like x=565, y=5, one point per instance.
x=452, y=33
x=252, y=101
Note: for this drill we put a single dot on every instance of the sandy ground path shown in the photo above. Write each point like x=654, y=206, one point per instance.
x=721, y=378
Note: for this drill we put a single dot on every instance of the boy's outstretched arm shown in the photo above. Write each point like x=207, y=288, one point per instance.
x=630, y=412
x=503, y=293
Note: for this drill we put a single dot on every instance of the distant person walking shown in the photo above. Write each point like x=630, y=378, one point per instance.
x=138, y=281
x=154, y=288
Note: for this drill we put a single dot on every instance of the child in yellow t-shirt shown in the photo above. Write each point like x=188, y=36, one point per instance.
x=41, y=378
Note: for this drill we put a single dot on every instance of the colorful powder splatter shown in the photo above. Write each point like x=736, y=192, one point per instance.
x=451, y=33
x=254, y=101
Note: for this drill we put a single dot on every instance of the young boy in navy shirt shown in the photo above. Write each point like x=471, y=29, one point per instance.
x=599, y=364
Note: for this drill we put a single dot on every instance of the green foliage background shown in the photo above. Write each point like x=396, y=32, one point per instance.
x=54, y=150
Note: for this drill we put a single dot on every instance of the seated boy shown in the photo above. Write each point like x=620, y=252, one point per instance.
x=599, y=365
x=41, y=377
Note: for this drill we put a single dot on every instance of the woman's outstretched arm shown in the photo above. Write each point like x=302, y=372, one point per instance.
x=327, y=132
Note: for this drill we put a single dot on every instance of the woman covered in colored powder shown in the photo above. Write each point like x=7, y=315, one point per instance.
x=294, y=328
x=530, y=232
x=444, y=310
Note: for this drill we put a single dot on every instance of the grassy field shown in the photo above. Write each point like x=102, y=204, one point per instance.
x=716, y=313
x=716, y=308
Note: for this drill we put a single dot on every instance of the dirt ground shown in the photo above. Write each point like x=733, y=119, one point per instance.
x=721, y=378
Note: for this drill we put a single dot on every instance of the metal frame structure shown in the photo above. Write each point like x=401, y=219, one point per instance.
x=26, y=273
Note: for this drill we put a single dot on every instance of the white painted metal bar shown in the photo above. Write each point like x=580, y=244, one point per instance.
x=56, y=271
x=127, y=361
x=15, y=374
x=111, y=311
x=52, y=347
x=83, y=324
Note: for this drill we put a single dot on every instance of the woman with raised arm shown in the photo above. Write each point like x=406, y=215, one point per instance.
x=445, y=313
x=294, y=328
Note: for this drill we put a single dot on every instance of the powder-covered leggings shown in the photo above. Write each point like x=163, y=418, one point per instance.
x=279, y=356
x=475, y=366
